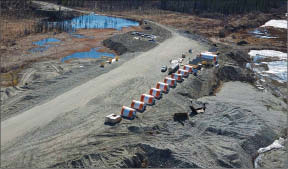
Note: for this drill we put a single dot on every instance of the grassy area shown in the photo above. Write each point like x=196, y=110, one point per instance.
x=10, y=79
x=13, y=27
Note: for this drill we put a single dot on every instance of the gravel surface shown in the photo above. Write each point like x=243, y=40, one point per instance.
x=90, y=101
x=134, y=43
x=62, y=124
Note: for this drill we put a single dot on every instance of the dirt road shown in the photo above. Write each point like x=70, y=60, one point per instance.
x=54, y=7
x=137, y=75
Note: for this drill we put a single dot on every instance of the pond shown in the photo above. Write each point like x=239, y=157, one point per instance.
x=92, y=21
x=44, y=44
x=93, y=53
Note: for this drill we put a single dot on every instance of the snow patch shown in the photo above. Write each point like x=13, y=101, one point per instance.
x=278, y=68
x=268, y=53
x=276, y=24
x=277, y=144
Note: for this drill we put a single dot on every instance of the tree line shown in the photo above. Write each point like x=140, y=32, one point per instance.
x=14, y=4
x=186, y=6
x=221, y=6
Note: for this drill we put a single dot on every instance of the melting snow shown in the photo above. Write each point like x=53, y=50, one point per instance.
x=268, y=53
x=277, y=144
x=276, y=24
x=279, y=68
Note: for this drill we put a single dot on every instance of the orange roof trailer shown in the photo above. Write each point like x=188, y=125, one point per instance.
x=163, y=86
x=148, y=99
x=157, y=93
x=170, y=81
x=138, y=105
x=128, y=112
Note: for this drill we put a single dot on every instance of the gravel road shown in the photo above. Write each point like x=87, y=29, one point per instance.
x=67, y=130
x=137, y=75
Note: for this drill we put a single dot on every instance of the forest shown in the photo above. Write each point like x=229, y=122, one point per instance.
x=186, y=6
x=220, y=6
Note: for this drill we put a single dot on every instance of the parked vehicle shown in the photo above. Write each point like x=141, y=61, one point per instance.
x=164, y=68
x=174, y=67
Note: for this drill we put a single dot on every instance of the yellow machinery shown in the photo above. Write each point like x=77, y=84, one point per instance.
x=102, y=64
x=204, y=63
x=110, y=60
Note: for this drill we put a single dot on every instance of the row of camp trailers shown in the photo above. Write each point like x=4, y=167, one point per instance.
x=154, y=93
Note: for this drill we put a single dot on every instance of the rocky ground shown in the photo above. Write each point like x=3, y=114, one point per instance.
x=239, y=118
x=234, y=126
x=275, y=158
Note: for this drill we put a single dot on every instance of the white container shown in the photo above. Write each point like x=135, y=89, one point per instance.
x=113, y=118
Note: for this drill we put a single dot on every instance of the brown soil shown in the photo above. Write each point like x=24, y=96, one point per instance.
x=17, y=56
x=235, y=28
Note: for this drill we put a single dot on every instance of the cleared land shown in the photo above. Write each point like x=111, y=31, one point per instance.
x=58, y=120
x=144, y=68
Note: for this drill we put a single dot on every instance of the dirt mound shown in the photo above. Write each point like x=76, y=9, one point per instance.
x=136, y=156
x=132, y=43
x=235, y=73
x=225, y=136
x=116, y=46
x=228, y=134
